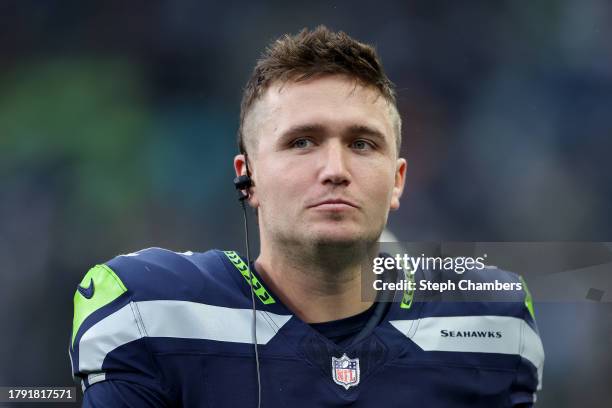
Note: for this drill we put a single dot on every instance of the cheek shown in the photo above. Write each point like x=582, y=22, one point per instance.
x=379, y=184
x=279, y=189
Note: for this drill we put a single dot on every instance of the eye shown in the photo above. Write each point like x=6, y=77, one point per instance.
x=362, y=145
x=302, y=143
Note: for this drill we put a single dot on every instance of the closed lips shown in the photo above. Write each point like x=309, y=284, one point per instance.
x=335, y=201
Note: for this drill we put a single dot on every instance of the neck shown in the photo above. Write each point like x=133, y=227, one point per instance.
x=319, y=284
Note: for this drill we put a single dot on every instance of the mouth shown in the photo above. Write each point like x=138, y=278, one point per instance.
x=337, y=204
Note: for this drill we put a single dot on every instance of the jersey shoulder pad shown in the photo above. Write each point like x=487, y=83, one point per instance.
x=488, y=303
x=106, y=303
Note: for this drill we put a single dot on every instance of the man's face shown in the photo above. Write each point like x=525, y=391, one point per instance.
x=324, y=162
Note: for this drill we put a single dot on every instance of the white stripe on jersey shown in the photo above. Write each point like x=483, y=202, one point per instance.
x=172, y=318
x=463, y=334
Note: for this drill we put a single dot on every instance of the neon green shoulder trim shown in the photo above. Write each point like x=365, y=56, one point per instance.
x=261, y=292
x=528, y=300
x=408, y=293
x=99, y=287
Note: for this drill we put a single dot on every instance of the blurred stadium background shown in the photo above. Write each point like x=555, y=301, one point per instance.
x=118, y=123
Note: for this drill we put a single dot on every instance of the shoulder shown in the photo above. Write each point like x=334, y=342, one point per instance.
x=487, y=310
x=112, y=298
x=152, y=274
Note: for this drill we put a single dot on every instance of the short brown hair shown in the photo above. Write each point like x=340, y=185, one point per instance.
x=316, y=53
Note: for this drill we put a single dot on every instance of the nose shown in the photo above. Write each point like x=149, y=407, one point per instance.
x=335, y=168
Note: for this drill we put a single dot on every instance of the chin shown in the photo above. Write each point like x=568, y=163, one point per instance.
x=343, y=237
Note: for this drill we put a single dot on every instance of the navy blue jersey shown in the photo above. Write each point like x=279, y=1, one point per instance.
x=163, y=329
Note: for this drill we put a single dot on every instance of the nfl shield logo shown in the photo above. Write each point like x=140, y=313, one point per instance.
x=345, y=371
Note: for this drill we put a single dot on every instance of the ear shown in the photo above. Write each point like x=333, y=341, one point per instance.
x=241, y=170
x=400, y=181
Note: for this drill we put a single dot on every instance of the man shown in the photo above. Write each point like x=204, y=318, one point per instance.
x=320, y=140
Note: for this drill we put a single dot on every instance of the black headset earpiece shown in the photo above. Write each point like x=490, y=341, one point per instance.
x=243, y=182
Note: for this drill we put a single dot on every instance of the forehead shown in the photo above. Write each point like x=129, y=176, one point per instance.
x=331, y=101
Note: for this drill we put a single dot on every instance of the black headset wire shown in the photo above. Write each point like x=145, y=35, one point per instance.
x=241, y=183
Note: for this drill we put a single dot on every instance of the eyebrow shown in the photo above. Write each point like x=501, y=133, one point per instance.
x=352, y=130
x=301, y=129
x=365, y=131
